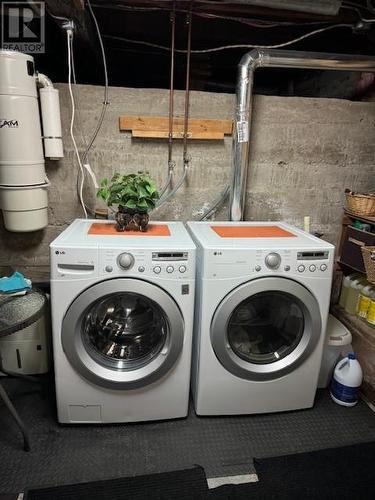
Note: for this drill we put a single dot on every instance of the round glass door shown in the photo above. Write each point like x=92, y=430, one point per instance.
x=265, y=328
x=123, y=333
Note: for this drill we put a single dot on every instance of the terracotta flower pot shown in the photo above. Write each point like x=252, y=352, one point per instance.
x=128, y=219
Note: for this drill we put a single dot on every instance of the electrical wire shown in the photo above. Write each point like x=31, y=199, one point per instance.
x=105, y=101
x=80, y=127
x=355, y=9
x=59, y=18
x=238, y=46
x=253, y=22
x=69, y=34
x=81, y=177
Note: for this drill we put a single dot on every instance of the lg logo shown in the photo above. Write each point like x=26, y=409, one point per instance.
x=59, y=252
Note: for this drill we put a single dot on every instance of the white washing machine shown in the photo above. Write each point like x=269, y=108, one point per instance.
x=262, y=300
x=122, y=316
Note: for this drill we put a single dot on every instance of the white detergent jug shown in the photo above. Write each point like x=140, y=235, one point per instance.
x=346, y=381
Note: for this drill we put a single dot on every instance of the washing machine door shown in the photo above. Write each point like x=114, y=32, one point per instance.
x=265, y=328
x=123, y=333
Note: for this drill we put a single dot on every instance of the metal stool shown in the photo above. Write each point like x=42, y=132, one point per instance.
x=17, y=313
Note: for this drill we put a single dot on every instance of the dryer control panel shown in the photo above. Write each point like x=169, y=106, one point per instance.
x=227, y=263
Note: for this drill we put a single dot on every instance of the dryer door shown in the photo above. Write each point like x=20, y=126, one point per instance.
x=123, y=333
x=265, y=328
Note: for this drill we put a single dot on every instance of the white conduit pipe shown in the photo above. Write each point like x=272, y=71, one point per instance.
x=51, y=121
x=244, y=99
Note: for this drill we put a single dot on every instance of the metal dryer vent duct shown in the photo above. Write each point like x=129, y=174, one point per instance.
x=244, y=99
x=23, y=183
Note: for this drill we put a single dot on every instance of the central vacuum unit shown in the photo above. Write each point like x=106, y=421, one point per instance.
x=23, y=181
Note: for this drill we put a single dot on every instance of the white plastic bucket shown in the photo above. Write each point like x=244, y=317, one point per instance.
x=338, y=344
x=25, y=208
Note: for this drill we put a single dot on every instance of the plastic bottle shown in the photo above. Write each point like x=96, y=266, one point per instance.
x=345, y=288
x=352, y=298
x=346, y=381
x=364, y=300
x=371, y=310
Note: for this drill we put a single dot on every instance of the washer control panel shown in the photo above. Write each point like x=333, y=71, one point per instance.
x=171, y=265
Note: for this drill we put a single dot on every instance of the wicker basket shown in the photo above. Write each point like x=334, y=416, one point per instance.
x=368, y=254
x=360, y=203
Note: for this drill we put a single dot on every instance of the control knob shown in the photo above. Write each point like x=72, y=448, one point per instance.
x=273, y=260
x=125, y=260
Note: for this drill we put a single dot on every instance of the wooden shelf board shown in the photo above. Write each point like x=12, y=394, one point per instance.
x=157, y=127
x=349, y=267
x=354, y=324
x=368, y=219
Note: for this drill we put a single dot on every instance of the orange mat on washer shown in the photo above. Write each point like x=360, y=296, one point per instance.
x=252, y=232
x=100, y=229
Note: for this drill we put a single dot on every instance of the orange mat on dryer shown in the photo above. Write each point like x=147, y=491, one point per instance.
x=252, y=232
x=100, y=229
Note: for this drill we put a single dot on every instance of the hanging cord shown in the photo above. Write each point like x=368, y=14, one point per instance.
x=69, y=34
x=238, y=46
x=81, y=177
x=186, y=158
x=171, y=163
x=81, y=127
x=105, y=101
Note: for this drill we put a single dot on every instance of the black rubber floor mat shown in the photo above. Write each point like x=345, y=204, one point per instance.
x=344, y=473
x=223, y=446
x=293, y=492
x=352, y=465
x=182, y=485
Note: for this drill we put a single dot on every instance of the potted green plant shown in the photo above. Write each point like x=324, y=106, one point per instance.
x=134, y=195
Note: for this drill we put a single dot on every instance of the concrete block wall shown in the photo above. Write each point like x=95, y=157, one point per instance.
x=304, y=153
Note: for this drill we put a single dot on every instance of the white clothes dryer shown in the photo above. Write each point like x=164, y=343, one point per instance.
x=262, y=301
x=122, y=317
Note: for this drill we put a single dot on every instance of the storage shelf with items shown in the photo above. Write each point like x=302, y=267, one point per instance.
x=356, y=304
x=363, y=342
x=357, y=232
x=356, y=253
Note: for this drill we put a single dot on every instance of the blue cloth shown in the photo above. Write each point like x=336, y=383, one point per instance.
x=14, y=283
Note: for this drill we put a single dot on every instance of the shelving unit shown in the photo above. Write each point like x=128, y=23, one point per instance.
x=347, y=221
x=363, y=334
x=363, y=345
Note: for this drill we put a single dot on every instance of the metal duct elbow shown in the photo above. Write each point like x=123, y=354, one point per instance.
x=244, y=99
